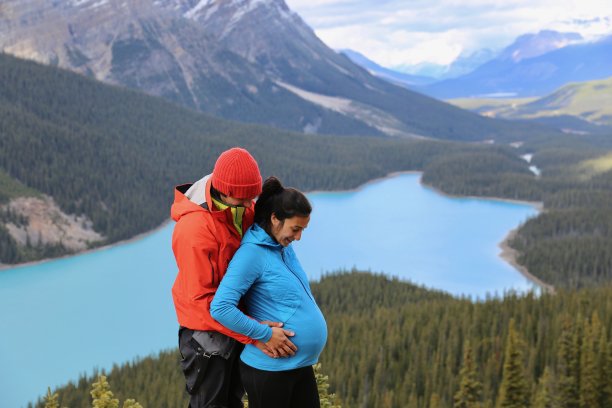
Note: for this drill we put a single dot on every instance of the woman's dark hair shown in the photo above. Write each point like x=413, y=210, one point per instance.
x=282, y=202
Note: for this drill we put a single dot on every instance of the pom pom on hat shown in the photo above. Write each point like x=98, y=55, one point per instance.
x=236, y=174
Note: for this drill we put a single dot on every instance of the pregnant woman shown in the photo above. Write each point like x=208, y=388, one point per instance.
x=267, y=275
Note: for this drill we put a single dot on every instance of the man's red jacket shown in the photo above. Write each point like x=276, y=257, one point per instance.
x=204, y=241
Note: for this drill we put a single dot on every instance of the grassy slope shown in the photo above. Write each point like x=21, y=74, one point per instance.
x=590, y=100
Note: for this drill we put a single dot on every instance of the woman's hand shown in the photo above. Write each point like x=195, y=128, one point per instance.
x=267, y=349
x=279, y=344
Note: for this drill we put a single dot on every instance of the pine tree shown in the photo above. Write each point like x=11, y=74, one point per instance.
x=589, y=391
x=434, y=401
x=607, y=374
x=567, y=369
x=514, y=392
x=327, y=400
x=102, y=395
x=545, y=392
x=469, y=394
x=130, y=403
x=51, y=399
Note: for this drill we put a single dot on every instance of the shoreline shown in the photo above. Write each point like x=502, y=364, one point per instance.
x=507, y=253
x=510, y=255
x=364, y=185
x=537, y=204
x=4, y=267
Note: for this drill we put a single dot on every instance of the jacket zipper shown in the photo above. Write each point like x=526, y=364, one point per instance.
x=294, y=274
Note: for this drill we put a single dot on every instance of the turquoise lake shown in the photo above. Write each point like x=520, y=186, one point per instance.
x=66, y=317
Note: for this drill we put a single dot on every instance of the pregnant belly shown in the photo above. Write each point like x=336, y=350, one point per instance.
x=310, y=330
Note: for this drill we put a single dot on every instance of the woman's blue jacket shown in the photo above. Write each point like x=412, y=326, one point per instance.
x=274, y=287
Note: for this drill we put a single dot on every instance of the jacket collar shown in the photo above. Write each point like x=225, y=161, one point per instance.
x=257, y=235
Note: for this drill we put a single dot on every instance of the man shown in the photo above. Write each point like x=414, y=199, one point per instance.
x=211, y=216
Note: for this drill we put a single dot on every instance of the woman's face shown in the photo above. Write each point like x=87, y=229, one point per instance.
x=288, y=230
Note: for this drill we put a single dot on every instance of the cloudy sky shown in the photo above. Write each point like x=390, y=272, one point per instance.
x=408, y=32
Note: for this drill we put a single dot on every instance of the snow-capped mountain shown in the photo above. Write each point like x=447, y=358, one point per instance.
x=533, y=45
x=249, y=60
x=534, y=65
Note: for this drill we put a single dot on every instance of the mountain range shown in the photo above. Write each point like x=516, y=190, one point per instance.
x=546, y=64
x=390, y=75
x=533, y=65
x=465, y=63
x=247, y=60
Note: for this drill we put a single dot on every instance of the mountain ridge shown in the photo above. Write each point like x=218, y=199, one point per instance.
x=535, y=76
x=204, y=63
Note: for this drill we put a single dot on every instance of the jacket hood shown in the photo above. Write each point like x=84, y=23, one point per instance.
x=189, y=198
x=257, y=235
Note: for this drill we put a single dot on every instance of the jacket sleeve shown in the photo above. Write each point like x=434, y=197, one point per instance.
x=244, y=270
x=193, y=251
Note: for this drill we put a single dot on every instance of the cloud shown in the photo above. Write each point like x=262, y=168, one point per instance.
x=401, y=32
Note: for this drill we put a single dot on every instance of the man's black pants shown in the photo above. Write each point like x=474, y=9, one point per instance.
x=212, y=380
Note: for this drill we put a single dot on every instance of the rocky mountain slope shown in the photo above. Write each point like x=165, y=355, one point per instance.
x=249, y=60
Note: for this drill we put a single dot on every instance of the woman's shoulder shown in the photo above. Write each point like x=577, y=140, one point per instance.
x=251, y=255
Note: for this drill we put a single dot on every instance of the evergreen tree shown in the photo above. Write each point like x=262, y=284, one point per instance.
x=607, y=374
x=327, y=400
x=102, y=395
x=469, y=394
x=589, y=389
x=545, y=392
x=514, y=392
x=51, y=399
x=567, y=368
x=130, y=403
x=434, y=401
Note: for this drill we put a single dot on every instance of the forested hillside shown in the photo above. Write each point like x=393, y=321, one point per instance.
x=114, y=156
x=570, y=243
x=392, y=344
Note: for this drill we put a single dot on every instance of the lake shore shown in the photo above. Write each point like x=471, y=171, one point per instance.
x=4, y=267
x=510, y=255
x=507, y=253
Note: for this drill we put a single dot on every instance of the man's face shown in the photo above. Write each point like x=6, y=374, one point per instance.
x=237, y=202
x=288, y=230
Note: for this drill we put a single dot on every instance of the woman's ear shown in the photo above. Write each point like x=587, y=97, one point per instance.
x=275, y=221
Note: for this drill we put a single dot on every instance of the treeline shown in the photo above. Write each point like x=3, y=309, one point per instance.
x=412, y=353
x=392, y=344
x=157, y=381
x=570, y=243
x=115, y=155
x=488, y=173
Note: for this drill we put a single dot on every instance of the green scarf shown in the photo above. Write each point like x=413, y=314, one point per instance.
x=237, y=213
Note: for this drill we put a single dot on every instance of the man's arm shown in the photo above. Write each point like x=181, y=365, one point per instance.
x=194, y=248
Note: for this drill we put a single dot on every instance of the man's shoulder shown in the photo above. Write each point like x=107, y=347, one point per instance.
x=198, y=223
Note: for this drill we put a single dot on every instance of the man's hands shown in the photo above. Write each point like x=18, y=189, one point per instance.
x=279, y=344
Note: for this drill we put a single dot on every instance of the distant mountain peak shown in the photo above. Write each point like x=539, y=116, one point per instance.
x=533, y=45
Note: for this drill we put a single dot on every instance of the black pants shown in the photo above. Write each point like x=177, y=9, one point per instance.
x=280, y=389
x=211, y=381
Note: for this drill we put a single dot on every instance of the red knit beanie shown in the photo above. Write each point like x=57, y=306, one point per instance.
x=236, y=174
